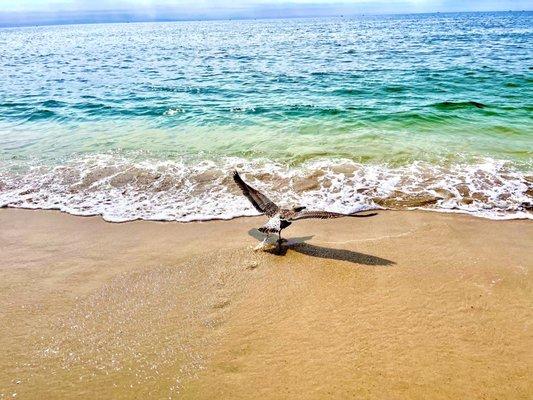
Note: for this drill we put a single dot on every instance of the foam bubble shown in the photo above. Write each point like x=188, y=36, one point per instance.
x=120, y=189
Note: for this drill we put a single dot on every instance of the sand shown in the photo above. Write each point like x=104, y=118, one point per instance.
x=405, y=305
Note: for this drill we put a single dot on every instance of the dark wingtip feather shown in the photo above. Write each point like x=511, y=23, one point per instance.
x=236, y=177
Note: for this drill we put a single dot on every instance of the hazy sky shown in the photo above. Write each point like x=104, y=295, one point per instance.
x=361, y=5
x=43, y=12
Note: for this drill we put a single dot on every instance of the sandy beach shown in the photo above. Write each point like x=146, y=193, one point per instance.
x=405, y=305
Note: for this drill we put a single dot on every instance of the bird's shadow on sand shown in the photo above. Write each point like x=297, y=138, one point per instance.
x=299, y=245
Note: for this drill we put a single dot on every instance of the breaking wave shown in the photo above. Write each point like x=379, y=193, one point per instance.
x=121, y=189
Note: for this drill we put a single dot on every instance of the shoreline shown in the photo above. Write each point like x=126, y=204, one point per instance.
x=523, y=216
x=410, y=304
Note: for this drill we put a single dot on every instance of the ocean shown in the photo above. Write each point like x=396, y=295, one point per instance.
x=148, y=120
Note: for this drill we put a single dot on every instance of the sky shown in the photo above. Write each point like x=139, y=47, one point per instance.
x=31, y=12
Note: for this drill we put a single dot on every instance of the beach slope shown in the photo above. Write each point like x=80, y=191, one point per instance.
x=404, y=305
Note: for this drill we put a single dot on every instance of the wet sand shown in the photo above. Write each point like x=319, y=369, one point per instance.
x=405, y=305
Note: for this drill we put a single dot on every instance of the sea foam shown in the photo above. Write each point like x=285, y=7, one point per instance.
x=121, y=189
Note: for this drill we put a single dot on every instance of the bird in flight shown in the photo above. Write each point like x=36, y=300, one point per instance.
x=281, y=218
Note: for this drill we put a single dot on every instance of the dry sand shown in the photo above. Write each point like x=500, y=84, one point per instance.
x=405, y=305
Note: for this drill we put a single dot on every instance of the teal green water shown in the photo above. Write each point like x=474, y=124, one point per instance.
x=134, y=120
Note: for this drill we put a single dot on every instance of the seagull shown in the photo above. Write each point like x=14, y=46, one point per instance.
x=281, y=218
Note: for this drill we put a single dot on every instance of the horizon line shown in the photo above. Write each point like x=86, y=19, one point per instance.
x=130, y=17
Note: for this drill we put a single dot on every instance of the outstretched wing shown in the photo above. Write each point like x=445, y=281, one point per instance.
x=261, y=203
x=326, y=215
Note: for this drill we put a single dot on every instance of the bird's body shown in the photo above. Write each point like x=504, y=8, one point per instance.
x=281, y=218
x=274, y=225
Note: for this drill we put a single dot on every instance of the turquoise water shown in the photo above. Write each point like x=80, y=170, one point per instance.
x=147, y=120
